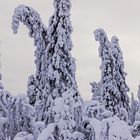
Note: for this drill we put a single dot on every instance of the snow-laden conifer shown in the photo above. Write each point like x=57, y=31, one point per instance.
x=16, y=115
x=118, y=73
x=107, y=83
x=4, y=114
x=112, y=87
x=59, y=66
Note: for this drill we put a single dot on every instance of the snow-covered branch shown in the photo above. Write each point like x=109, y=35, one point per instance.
x=29, y=17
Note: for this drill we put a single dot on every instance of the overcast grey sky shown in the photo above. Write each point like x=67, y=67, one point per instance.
x=117, y=17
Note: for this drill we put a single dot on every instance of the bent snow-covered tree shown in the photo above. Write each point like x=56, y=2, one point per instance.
x=29, y=17
x=55, y=72
x=113, y=89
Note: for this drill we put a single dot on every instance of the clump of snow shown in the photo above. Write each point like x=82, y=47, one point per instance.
x=120, y=131
x=137, y=138
x=47, y=133
x=107, y=114
x=24, y=136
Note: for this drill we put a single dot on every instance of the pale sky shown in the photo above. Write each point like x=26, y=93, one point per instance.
x=116, y=17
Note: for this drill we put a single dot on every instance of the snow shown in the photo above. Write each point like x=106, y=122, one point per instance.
x=53, y=108
x=120, y=131
x=47, y=133
x=96, y=126
x=24, y=136
x=107, y=114
x=137, y=138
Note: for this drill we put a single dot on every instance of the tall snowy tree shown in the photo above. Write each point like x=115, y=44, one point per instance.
x=29, y=17
x=55, y=66
x=107, y=83
x=59, y=65
x=112, y=84
x=118, y=73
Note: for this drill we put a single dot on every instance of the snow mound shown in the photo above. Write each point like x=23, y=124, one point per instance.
x=120, y=131
x=24, y=136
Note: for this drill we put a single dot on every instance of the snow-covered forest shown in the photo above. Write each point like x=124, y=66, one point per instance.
x=53, y=108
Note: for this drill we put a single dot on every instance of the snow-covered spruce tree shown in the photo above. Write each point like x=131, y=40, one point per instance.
x=4, y=123
x=96, y=90
x=4, y=115
x=59, y=65
x=29, y=17
x=118, y=73
x=32, y=89
x=133, y=109
x=23, y=115
x=107, y=84
x=112, y=95
x=64, y=125
x=19, y=115
x=16, y=115
x=136, y=124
